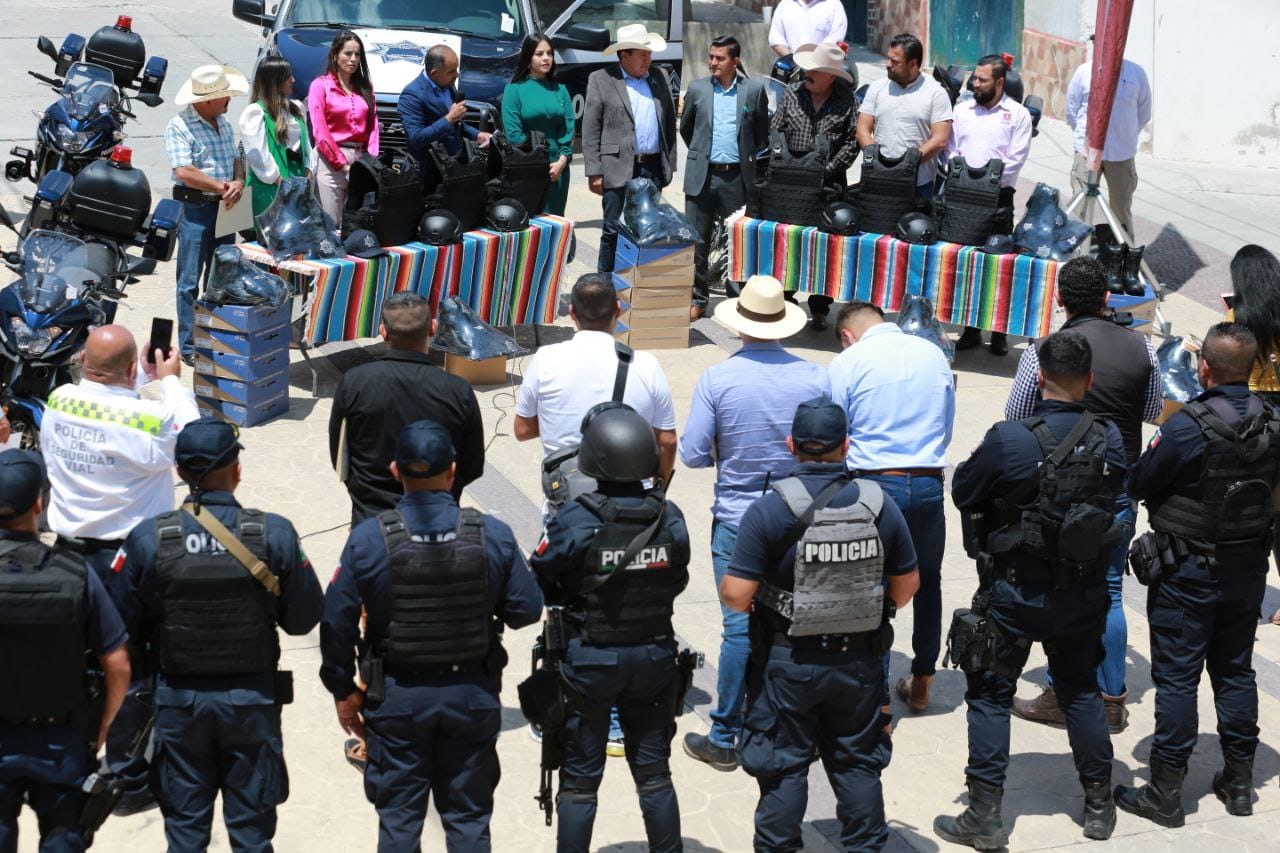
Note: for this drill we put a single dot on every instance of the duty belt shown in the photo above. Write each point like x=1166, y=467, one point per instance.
x=829, y=642
x=87, y=544
x=36, y=722
x=470, y=667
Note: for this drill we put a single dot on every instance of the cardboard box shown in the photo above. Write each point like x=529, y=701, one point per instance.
x=243, y=319
x=645, y=296
x=654, y=266
x=657, y=318
x=1143, y=308
x=257, y=344
x=486, y=371
x=1171, y=408
x=245, y=416
x=252, y=394
x=662, y=337
x=244, y=368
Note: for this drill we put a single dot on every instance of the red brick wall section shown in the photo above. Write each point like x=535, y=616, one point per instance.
x=887, y=18
x=1046, y=64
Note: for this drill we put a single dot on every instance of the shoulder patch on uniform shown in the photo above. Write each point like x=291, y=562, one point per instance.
x=117, y=564
x=1154, y=442
x=543, y=544
x=336, y=572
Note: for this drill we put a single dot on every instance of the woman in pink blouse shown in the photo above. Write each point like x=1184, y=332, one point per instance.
x=344, y=120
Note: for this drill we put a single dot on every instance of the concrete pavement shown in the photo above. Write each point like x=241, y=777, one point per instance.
x=1202, y=214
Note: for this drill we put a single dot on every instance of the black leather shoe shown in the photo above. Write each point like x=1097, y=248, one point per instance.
x=969, y=338
x=999, y=343
x=700, y=747
x=979, y=826
x=818, y=322
x=1233, y=784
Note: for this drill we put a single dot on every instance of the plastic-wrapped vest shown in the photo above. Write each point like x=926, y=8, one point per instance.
x=649, y=220
x=1046, y=231
x=460, y=331
x=1178, y=371
x=917, y=317
x=458, y=181
x=295, y=224
x=886, y=190
x=235, y=281
x=520, y=171
x=966, y=207
x=794, y=191
x=384, y=196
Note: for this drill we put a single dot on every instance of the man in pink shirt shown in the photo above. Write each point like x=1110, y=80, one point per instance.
x=991, y=126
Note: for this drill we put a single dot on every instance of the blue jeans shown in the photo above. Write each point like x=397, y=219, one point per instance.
x=1115, y=639
x=920, y=500
x=195, y=250
x=735, y=648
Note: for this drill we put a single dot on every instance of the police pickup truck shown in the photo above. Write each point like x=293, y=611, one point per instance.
x=486, y=34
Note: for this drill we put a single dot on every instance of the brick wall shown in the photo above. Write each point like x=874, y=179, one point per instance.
x=1046, y=64
x=887, y=18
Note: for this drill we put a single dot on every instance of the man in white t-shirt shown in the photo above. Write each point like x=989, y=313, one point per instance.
x=907, y=110
x=563, y=381
x=805, y=23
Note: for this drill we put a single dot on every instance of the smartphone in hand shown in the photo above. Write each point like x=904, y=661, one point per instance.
x=161, y=338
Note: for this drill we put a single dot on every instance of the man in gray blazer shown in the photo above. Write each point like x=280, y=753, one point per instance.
x=628, y=128
x=724, y=123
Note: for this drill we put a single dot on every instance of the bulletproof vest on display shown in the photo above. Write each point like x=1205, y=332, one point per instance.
x=1074, y=508
x=967, y=206
x=439, y=586
x=520, y=171
x=1239, y=470
x=839, y=563
x=1121, y=368
x=42, y=642
x=630, y=603
x=384, y=197
x=458, y=182
x=886, y=190
x=217, y=618
x=794, y=192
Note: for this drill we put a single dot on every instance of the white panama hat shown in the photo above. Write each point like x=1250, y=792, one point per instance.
x=761, y=311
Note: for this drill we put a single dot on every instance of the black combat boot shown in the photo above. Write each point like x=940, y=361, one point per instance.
x=978, y=826
x=1132, y=265
x=1111, y=256
x=1161, y=800
x=1099, y=811
x=1234, y=786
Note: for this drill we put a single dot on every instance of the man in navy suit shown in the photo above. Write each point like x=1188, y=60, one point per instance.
x=428, y=109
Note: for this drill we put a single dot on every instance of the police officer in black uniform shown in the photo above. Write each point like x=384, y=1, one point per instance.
x=819, y=545
x=621, y=649
x=437, y=583
x=52, y=610
x=1207, y=479
x=1043, y=491
x=209, y=583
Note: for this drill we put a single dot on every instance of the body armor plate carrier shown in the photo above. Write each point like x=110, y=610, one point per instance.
x=42, y=648
x=216, y=617
x=794, y=191
x=630, y=603
x=440, y=614
x=385, y=198
x=458, y=182
x=520, y=171
x=839, y=562
x=1240, y=468
x=886, y=190
x=967, y=206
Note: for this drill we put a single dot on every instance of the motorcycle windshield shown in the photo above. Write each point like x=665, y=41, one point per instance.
x=54, y=270
x=89, y=90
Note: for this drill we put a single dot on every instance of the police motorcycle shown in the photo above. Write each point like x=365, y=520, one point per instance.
x=91, y=78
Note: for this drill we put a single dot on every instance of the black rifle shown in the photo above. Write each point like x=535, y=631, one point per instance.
x=550, y=701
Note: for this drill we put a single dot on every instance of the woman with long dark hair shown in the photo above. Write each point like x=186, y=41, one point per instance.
x=344, y=119
x=533, y=100
x=1255, y=284
x=274, y=130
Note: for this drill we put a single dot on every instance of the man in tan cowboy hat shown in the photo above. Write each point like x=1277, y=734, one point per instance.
x=739, y=421
x=628, y=128
x=822, y=104
x=207, y=171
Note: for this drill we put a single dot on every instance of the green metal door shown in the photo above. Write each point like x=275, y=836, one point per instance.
x=963, y=31
x=856, y=12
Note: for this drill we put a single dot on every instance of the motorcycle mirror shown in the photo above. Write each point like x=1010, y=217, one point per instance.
x=45, y=46
x=151, y=99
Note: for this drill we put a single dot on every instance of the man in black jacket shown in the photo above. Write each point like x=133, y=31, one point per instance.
x=377, y=400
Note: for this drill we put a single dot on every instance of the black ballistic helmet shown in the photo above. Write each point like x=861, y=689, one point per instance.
x=916, y=227
x=618, y=445
x=508, y=214
x=840, y=218
x=439, y=227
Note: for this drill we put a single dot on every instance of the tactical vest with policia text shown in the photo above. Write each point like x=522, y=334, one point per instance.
x=439, y=589
x=458, y=182
x=1239, y=471
x=384, y=196
x=1069, y=527
x=520, y=171
x=839, y=562
x=216, y=617
x=966, y=207
x=795, y=190
x=633, y=571
x=886, y=190
x=42, y=639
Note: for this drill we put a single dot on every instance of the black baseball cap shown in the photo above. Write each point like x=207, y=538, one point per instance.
x=819, y=427
x=207, y=444
x=423, y=449
x=363, y=244
x=21, y=479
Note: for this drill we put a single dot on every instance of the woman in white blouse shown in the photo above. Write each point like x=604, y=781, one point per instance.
x=274, y=130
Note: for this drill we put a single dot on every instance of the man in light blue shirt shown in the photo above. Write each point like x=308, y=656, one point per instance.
x=739, y=421
x=900, y=396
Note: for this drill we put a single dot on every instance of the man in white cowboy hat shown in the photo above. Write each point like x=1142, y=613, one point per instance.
x=907, y=110
x=822, y=104
x=207, y=172
x=739, y=421
x=800, y=24
x=628, y=128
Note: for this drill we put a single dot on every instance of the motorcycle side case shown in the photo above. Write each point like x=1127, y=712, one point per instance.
x=160, y=234
x=110, y=199
x=70, y=52
x=50, y=201
x=153, y=75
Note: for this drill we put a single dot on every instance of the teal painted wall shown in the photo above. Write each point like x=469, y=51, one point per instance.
x=963, y=31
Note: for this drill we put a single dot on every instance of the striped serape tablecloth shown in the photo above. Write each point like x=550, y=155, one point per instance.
x=1004, y=293
x=507, y=278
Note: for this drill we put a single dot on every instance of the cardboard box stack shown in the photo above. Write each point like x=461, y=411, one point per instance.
x=655, y=285
x=242, y=362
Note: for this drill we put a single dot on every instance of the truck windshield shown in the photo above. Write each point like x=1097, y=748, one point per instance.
x=482, y=18
x=608, y=13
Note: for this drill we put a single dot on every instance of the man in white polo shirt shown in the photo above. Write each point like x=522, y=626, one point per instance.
x=806, y=23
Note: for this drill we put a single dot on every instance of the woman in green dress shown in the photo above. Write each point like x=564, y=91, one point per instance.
x=533, y=100
x=274, y=130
